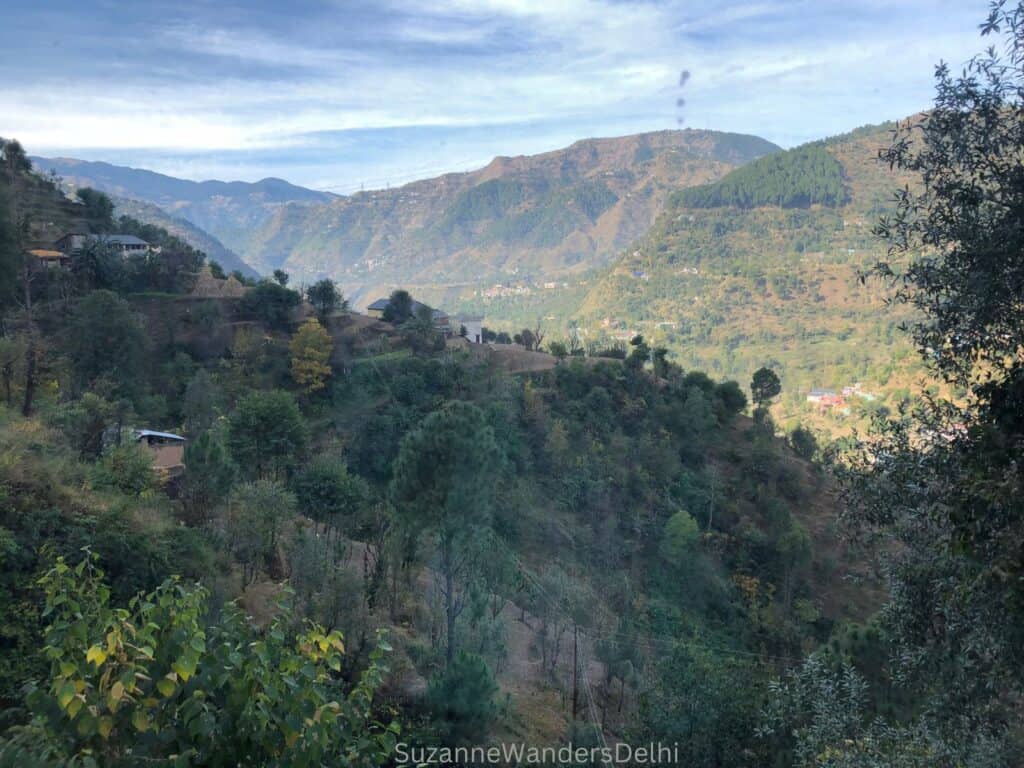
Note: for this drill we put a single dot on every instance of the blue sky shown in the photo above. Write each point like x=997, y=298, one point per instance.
x=336, y=94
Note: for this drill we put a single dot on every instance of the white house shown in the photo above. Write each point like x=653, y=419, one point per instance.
x=474, y=325
x=123, y=244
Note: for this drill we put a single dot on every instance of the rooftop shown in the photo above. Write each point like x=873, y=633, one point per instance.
x=140, y=433
x=120, y=239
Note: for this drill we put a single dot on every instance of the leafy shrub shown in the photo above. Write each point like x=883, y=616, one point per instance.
x=152, y=683
x=128, y=468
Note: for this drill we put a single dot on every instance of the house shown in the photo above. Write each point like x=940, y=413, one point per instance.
x=168, y=450
x=49, y=259
x=126, y=245
x=832, y=401
x=474, y=325
x=818, y=395
x=441, y=320
x=71, y=242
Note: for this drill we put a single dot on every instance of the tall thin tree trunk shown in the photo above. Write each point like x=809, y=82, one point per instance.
x=8, y=393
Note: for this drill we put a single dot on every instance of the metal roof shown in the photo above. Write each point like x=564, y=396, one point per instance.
x=153, y=433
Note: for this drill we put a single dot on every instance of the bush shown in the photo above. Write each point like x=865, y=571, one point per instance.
x=803, y=443
x=128, y=468
x=153, y=683
x=272, y=304
x=731, y=396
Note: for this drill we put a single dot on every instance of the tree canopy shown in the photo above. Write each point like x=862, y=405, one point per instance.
x=798, y=178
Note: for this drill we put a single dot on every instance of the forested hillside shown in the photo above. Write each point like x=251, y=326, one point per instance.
x=762, y=268
x=519, y=217
x=378, y=479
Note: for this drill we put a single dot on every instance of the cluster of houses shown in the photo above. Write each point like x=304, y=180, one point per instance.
x=468, y=326
x=74, y=242
x=830, y=399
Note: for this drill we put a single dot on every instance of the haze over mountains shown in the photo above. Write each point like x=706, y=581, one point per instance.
x=539, y=216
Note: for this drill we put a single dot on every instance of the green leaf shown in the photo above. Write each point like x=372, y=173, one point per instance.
x=75, y=706
x=184, y=669
x=140, y=721
x=166, y=686
x=86, y=725
x=65, y=694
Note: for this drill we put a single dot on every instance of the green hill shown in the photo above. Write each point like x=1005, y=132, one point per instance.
x=800, y=178
x=761, y=268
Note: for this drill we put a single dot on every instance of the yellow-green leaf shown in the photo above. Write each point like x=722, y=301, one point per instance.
x=105, y=726
x=182, y=671
x=65, y=694
x=117, y=691
x=140, y=721
x=165, y=686
x=75, y=705
x=96, y=655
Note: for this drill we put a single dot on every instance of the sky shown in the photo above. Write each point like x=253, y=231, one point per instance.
x=342, y=95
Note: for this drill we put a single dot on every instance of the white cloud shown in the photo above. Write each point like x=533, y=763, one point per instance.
x=787, y=70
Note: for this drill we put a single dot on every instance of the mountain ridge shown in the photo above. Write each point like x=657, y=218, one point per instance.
x=558, y=212
x=561, y=211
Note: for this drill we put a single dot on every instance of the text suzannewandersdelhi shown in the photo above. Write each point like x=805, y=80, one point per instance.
x=518, y=753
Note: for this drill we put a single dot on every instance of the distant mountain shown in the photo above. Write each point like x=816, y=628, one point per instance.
x=224, y=209
x=214, y=249
x=543, y=215
x=560, y=212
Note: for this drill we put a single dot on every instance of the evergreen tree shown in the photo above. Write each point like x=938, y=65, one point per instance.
x=325, y=298
x=105, y=339
x=443, y=484
x=266, y=433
